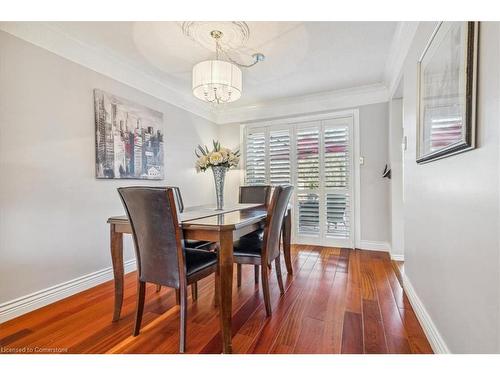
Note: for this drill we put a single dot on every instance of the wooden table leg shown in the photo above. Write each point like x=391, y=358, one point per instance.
x=226, y=288
x=117, y=259
x=287, y=237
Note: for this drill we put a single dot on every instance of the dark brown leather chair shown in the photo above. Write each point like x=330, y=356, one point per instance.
x=161, y=258
x=263, y=251
x=253, y=194
x=193, y=244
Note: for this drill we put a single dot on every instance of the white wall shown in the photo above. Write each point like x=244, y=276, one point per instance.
x=452, y=213
x=230, y=136
x=374, y=197
x=396, y=163
x=53, y=210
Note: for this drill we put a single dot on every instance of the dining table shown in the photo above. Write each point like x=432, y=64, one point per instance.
x=207, y=224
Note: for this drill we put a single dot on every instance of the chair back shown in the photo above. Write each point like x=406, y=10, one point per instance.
x=276, y=212
x=178, y=198
x=255, y=194
x=157, y=235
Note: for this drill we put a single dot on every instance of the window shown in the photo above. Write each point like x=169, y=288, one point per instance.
x=337, y=167
x=317, y=158
x=279, y=157
x=255, y=158
x=308, y=179
x=307, y=158
x=267, y=157
x=336, y=156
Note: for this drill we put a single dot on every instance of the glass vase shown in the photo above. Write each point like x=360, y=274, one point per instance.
x=219, y=176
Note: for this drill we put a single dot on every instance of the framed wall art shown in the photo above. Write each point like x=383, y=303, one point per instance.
x=129, y=139
x=446, y=98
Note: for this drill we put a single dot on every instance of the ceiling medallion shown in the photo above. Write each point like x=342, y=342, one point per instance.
x=219, y=81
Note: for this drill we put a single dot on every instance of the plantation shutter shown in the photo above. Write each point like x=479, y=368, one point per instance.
x=316, y=157
x=308, y=215
x=337, y=169
x=337, y=216
x=336, y=148
x=308, y=158
x=308, y=179
x=279, y=157
x=255, y=156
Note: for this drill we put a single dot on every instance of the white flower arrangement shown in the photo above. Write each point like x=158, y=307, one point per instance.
x=219, y=156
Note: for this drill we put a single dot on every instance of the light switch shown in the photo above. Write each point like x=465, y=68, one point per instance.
x=361, y=160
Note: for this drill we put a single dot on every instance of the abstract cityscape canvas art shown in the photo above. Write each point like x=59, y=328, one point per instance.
x=129, y=139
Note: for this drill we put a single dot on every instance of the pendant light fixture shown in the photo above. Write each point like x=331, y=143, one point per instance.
x=220, y=81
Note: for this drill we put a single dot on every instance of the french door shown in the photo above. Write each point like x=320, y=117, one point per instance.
x=323, y=183
x=317, y=158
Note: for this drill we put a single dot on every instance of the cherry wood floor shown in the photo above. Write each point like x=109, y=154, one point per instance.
x=338, y=301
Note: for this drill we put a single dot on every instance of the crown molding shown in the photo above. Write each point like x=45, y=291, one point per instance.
x=57, y=41
x=299, y=105
x=400, y=45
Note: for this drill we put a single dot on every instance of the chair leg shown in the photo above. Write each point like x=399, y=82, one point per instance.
x=183, y=319
x=256, y=272
x=265, y=289
x=177, y=297
x=217, y=287
x=277, y=263
x=158, y=288
x=194, y=291
x=238, y=274
x=141, y=294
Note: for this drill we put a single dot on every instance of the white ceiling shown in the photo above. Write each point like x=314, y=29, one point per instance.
x=302, y=58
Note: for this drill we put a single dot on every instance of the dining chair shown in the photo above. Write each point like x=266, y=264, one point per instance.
x=192, y=244
x=259, y=194
x=262, y=252
x=161, y=258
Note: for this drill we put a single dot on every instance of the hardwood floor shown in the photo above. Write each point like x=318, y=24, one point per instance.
x=338, y=301
x=399, y=269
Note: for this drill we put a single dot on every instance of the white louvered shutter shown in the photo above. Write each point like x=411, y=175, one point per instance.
x=308, y=180
x=279, y=157
x=308, y=213
x=317, y=158
x=338, y=216
x=337, y=170
x=255, y=158
x=307, y=146
x=336, y=156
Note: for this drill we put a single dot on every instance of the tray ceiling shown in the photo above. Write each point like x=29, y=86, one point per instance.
x=302, y=58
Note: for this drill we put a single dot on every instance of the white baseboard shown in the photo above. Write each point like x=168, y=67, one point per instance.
x=398, y=257
x=374, y=245
x=33, y=301
x=435, y=339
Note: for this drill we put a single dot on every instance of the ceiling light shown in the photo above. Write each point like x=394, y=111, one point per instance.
x=220, y=81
